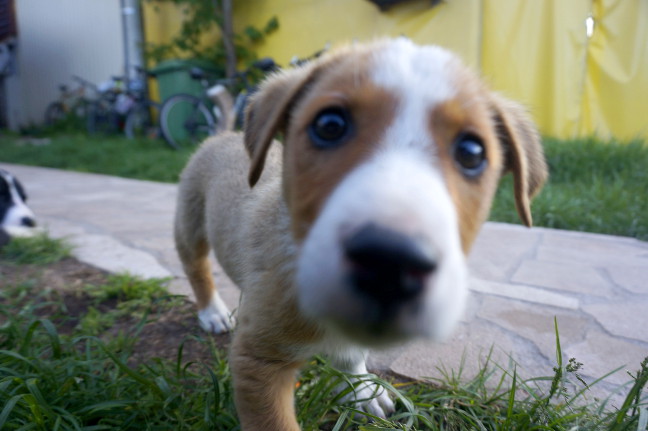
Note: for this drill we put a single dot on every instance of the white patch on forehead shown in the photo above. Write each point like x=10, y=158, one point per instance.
x=422, y=72
x=420, y=78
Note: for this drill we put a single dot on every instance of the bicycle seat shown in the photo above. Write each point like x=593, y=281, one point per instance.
x=265, y=64
x=197, y=73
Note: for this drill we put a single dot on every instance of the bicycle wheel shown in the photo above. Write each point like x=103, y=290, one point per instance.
x=54, y=113
x=142, y=121
x=101, y=119
x=185, y=120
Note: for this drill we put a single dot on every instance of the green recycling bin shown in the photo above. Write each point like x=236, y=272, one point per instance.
x=182, y=124
x=173, y=76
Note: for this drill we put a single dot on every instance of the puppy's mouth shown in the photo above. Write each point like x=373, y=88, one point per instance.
x=375, y=325
x=385, y=266
x=379, y=284
x=386, y=274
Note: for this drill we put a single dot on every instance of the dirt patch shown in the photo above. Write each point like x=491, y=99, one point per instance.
x=161, y=332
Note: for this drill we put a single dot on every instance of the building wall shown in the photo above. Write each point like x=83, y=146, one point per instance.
x=305, y=26
x=537, y=52
x=56, y=39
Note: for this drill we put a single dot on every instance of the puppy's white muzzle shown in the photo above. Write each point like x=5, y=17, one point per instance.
x=383, y=261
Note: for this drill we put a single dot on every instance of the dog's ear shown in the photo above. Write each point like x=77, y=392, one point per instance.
x=267, y=114
x=524, y=156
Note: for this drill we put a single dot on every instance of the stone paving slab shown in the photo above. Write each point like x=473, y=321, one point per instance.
x=596, y=286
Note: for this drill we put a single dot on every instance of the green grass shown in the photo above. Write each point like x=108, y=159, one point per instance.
x=133, y=297
x=595, y=186
x=56, y=378
x=52, y=381
x=142, y=159
x=37, y=250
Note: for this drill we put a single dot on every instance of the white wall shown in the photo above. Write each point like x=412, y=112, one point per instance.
x=56, y=39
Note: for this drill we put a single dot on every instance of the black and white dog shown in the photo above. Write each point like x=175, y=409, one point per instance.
x=16, y=219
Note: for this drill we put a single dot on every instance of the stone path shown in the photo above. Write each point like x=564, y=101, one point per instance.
x=596, y=286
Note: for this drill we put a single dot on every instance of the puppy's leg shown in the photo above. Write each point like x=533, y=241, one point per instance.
x=193, y=249
x=366, y=395
x=263, y=387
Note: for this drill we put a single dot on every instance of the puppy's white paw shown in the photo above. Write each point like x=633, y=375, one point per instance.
x=369, y=397
x=216, y=317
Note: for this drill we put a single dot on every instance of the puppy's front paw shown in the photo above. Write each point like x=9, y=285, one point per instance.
x=369, y=397
x=215, y=317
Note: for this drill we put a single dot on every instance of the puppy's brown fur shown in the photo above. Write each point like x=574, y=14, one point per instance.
x=256, y=231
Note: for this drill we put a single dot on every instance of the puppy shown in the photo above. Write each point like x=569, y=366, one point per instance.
x=352, y=231
x=16, y=219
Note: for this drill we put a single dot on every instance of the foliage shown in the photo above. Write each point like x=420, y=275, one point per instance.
x=49, y=380
x=39, y=250
x=202, y=17
x=52, y=381
x=143, y=159
x=56, y=378
x=132, y=297
x=594, y=186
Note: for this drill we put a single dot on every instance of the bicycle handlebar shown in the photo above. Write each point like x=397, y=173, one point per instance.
x=84, y=82
x=265, y=64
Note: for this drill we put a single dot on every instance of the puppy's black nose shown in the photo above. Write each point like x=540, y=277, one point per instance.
x=387, y=266
x=28, y=222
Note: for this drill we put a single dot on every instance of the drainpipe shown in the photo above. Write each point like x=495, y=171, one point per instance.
x=132, y=38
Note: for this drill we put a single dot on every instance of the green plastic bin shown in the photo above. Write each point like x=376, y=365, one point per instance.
x=173, y=76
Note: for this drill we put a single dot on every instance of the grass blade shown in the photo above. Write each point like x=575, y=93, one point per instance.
x=8, y=408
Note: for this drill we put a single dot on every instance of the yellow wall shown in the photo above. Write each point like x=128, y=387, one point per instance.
x=162, y=22
x=306, y=26
x=615, y=99
x=534, y=51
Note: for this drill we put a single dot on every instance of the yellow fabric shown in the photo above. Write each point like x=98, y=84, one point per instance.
x=615, y=101
x=537, y=52
x=306, y=26
x=534, y=52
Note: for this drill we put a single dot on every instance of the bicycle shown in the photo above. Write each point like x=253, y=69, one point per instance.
x=186, y=119
x=128, y=110
x=301, y=61
x=142, y=116
x=71, y=104
x=102, y=116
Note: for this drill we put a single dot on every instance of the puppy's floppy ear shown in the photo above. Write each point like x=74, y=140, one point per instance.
x=267, y=114
x=524, y=155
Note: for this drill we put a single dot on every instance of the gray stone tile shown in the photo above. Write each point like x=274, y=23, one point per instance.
x=106, y=253
x=536, y=324
x=499, y=248
x=523, y=277
x=623, y=319
x=524, y=293
x=598, y=250
x=631, y=276
x=180, y=286
x=382, y=359
x=601, y=354
x=226, y=289
x=61, y=228
x=466, y=354
x=563, y=276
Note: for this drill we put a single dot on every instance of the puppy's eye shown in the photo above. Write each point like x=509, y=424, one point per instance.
x=330, y=127
x=470, y=155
